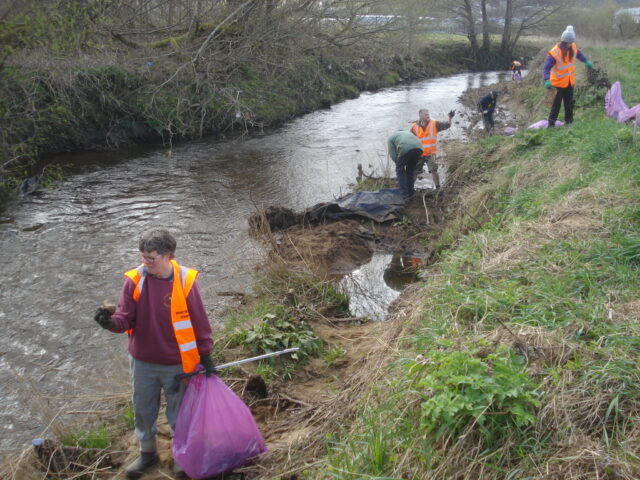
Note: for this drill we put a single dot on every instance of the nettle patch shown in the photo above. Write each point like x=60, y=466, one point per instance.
x=277, y=333
x=469, y=391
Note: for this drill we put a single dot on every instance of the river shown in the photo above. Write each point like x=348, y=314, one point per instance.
x=65, y=249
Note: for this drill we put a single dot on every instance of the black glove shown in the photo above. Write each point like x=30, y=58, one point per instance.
x=452, y=113
x=103, y=317
x=208, y=364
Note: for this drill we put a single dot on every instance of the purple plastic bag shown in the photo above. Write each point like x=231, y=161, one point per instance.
x=613, y=102
x=545, y=124
x=215, y=430
x=510, y=131
x=617, y=109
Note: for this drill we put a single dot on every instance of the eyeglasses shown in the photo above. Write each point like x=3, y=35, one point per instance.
x=149, y=259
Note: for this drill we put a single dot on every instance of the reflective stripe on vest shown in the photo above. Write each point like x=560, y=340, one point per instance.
x=427, y=136
x=183, y=280
x=562, y=73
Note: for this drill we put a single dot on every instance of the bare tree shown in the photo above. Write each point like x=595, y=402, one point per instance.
x=520, y=17
x=506, y=32
x=465, y=9
x=486, y=42
x=517, y=17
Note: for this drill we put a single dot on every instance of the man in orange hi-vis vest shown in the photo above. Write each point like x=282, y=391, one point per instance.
x=161, y=309
x=426, y=129
x=559, y=72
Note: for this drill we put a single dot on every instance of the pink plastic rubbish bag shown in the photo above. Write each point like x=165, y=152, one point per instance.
x=617, y=109
x=613, y=102
x=215, y=430
x=545, y=124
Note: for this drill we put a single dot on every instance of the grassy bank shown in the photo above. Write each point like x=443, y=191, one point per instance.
x=522, y=358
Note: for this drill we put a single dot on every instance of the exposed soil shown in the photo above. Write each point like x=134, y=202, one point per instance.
x=511, y=111
x=335, y=247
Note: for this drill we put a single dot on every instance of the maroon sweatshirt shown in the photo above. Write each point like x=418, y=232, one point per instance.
x=153, y=338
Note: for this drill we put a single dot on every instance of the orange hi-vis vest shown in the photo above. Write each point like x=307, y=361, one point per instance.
x=562, y=73
x=427, y=136
x=183, y=280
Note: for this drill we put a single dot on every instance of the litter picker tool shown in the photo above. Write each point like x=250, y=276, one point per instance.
x=182, y=376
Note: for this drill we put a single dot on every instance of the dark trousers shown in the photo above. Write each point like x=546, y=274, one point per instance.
x=487, y=119
x=563, y=95
x=406, y=171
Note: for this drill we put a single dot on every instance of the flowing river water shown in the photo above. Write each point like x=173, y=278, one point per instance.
x=65, y=249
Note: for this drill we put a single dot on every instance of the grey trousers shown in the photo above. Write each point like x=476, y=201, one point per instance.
x=148, y=380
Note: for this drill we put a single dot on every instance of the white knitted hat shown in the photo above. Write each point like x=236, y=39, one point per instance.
x=568, y=35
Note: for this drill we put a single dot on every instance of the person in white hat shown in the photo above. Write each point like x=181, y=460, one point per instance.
x=559, y=72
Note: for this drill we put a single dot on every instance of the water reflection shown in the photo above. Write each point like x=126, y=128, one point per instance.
x=401, y=270
x=368, y=295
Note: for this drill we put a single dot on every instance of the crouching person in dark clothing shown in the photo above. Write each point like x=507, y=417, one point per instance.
x=405, y=150
x=487, y=106
x=169, y=333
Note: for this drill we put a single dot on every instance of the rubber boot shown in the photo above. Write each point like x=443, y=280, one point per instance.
x=141, y=464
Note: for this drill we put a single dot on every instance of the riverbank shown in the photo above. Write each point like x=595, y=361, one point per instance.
x=54, y=105
x=517, y=356
x=530, y=305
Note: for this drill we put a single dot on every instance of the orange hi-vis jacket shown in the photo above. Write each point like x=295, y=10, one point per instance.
x=562, y=73
x=183, y=280
x=427, y=136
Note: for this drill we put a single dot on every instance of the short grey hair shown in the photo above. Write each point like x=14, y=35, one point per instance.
x=157, y=240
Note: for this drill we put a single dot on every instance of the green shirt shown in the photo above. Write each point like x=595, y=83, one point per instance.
x=401, y=142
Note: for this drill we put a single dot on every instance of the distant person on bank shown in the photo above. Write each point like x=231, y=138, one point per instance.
x=516, y=69
x=169, y=333
x=559, y=72
x=426, y=130
x=487, y=106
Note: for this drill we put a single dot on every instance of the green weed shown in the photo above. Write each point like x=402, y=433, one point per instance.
x=462, y=389
x=391, y=78
x=267, y=371
x=301, y=289
x=128, y=417
x=239, y=317
x=277, y=333
x=374, y=184
x=404, y=222
x=98, y=437
x=334, y=355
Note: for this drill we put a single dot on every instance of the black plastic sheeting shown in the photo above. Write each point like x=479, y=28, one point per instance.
x=381, y=206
